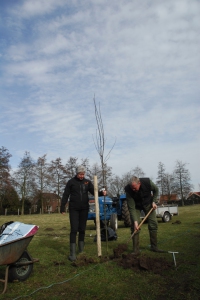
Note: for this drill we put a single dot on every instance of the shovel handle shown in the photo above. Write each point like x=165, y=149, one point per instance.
x=141, y=224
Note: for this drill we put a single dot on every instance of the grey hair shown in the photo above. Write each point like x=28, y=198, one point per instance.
x=134, y=179
x=80, y=169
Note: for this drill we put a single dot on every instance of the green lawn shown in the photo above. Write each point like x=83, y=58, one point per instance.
x=54, y=277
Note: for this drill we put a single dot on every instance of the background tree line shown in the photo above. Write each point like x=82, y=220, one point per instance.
x=32, y=179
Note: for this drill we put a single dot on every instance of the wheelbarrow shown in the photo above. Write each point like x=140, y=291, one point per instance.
x=14, y=254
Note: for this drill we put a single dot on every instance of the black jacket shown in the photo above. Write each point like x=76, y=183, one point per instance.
x=77, y=190
x=143, y=196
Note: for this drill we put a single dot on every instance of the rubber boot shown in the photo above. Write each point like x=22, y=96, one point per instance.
x=81, y=246
x=136, y=250
x=72, y=255
x=153, y=241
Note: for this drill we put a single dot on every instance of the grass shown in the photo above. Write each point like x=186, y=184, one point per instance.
x=55, y=278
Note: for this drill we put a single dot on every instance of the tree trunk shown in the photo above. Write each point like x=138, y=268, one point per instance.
x=97, y=216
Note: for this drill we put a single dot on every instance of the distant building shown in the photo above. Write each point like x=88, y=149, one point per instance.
x=165, y=198
x=193, y=196
x=51, y=202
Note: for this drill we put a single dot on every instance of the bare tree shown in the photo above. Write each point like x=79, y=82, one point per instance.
x=126, y=177
x=24, y=179
x=118, y=183
x=11, y=200
x=42, y=176
x=100, y=147
x=85, y=163
x=59, y=176
x=161, y=178
x=182, y=180
x=5, y=182
x=71, y=166
x=96, y=170
x=116, y=186
x=168, y=183
x=138, y=172
x=100, y=142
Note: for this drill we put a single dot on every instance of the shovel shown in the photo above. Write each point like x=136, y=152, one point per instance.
x=140, y=224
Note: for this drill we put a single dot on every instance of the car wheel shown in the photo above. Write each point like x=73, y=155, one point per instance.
x=166, y=217
x=114, y=222
x=125, y=214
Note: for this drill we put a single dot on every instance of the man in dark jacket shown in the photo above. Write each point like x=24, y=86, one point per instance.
x=139, y=197
x=76, y=191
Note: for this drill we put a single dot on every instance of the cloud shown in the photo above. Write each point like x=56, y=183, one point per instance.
x=140, y=59
x=28, y=9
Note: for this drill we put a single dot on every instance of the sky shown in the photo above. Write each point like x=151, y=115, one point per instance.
x=139, y=59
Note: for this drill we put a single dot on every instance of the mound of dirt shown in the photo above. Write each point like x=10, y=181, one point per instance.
x=128, y=261
x=177, y=222
x=83, y=260
x=117, y=252
x=139, y=262
x=144, y=263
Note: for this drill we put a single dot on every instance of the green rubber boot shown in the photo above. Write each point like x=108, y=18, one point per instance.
x=81, y=246
x=153, y=241
x=72, y=255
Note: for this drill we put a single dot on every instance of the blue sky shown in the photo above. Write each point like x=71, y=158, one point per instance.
x=141, y=59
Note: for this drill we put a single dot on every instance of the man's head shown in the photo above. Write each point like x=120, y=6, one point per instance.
x=135, y=183
x=80, y=172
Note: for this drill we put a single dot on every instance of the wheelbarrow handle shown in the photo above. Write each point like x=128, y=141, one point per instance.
x=140, y=224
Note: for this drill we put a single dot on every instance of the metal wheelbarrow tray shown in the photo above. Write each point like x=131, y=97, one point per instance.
x=14, y=254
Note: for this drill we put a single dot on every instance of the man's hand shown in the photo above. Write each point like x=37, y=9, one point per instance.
x=136, y=226
x=154, y=205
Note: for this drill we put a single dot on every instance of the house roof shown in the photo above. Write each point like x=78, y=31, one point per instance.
x=194, y=193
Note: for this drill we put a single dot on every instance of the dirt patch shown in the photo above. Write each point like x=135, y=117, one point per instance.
x=83, y=260
x=57, y=263
x=49, y=229
x=117, y=252
x=139, y=262
x=128, y=261
x=177, y=222
x=144, y=263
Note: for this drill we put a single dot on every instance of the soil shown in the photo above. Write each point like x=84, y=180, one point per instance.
x=177, y=222
x=140, y=262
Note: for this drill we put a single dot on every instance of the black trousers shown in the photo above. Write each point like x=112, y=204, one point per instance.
x=78, y=220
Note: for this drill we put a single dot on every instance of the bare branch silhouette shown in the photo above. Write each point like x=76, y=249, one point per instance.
x=100, y=147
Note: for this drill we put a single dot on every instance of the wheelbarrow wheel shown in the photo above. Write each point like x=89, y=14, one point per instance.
x=20, y=273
